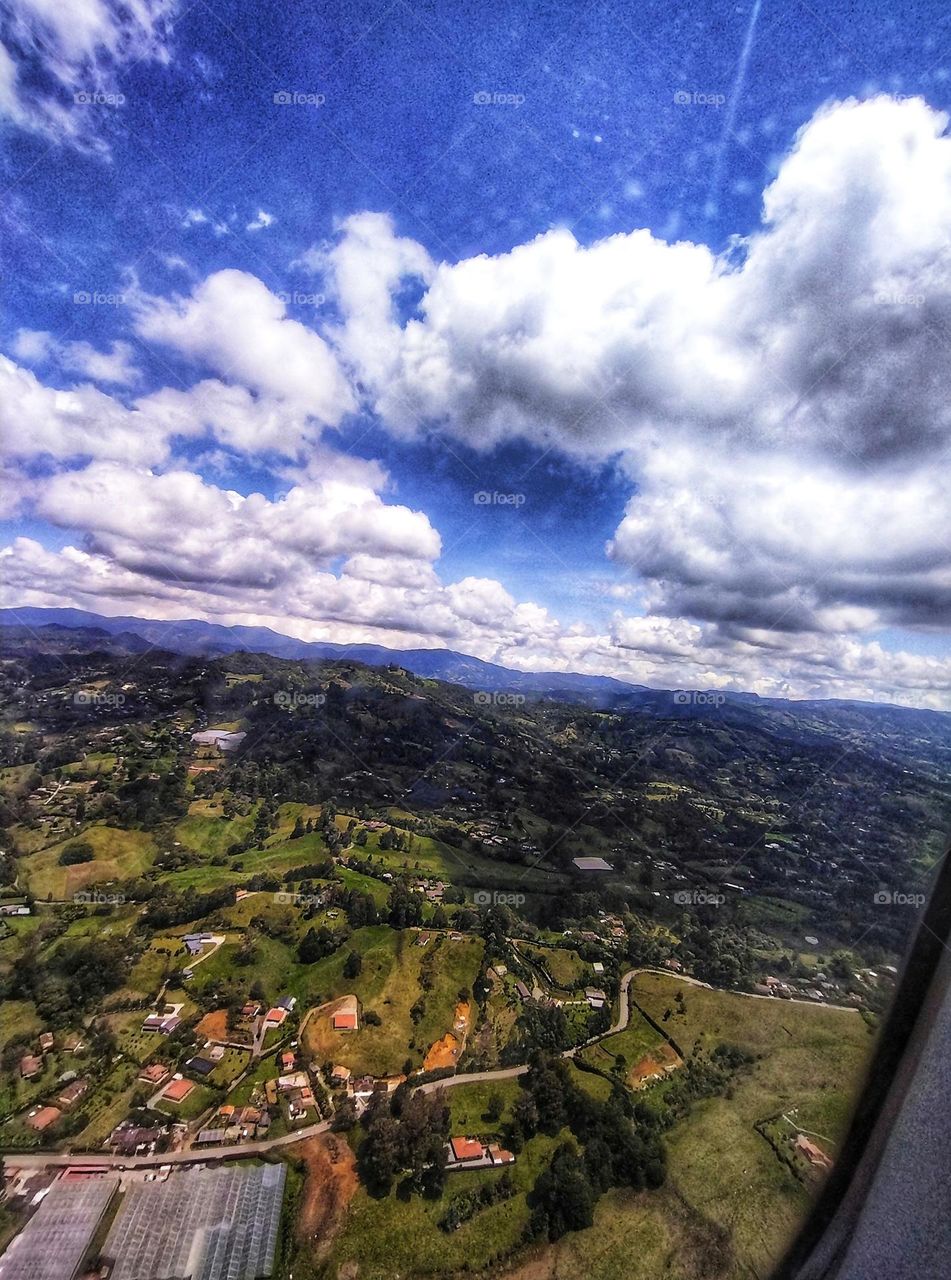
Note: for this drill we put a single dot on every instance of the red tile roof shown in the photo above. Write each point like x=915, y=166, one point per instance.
x=345, y=1021
x=178, y=1090
x=466, y=1148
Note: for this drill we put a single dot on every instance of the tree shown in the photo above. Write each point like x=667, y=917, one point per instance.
x=563, y=1198
x=353, y=965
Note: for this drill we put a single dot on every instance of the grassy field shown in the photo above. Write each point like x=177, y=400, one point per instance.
x=230, y=1067
x=199, y=1100
x=205, y=830
x=389, y=985
x=118, y=855
x=566, y=967
x=109, y=1104
x=636, y=1042
x=391, y=1236
x=809, y=1059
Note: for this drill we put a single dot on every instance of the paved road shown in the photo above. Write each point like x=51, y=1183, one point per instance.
x=206, y=1154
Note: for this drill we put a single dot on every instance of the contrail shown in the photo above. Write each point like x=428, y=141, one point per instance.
x=738, y=84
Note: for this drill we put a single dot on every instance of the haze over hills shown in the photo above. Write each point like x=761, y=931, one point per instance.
x=195, y=637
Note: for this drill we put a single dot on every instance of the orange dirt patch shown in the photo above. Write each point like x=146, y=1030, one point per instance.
x=214, y=1025
x=654, y=1064
x=445, y=1052
x=331, y=1180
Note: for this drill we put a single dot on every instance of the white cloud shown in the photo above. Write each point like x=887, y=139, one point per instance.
x=59, y=59
x=785, y=409
x=176, y=525
x=261, y=221
x=266, y=351
x=114, y=367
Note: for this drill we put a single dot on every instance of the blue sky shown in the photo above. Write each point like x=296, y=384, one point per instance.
x=651, y=476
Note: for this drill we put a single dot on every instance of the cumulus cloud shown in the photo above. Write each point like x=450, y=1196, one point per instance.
x=177, y=525
x=782, y=412
x=784, y=409
x=266, y=351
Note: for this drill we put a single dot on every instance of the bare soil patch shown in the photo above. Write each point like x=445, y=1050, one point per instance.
x=656, y=1063
x=214, y=1025
x=331, y=1180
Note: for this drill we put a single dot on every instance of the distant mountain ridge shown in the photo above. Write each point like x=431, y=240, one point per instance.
x=209, y=639
x=195, y=638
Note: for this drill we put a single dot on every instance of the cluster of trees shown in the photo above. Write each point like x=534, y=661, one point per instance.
x=615, y=1144
x=169, y=907
x=75, y=853
x=72, y=978
x=703, y=1076
x=407, y=1135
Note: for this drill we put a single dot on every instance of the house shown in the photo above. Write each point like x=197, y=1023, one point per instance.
x=46, y=1041
x=30, y=1066
x=72, y=1093
x=523, y=991
x=595, y=997
x=288, y=1061
x=223, y=739
x=287, y=1003
x=597, y=966
x=73, y=1043
x=154, y=1074
x=499, y=1155
x=200, y=1066
x=591, y=864
x=251, y=1009
x=274, y=1018
x=295, y=1080
x=178, y=1090
x=344, y=1020
x=163, y=1023
x=340, y=1075
x=130, y=1139
x=465, y=1149
x=674, y=965
x=43, y=1118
